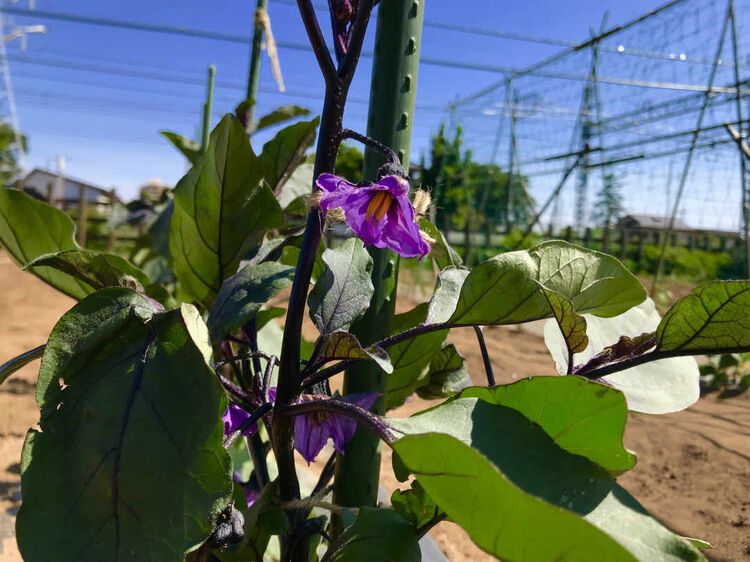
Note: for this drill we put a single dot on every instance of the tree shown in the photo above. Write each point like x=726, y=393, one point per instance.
x=9, y=152
x=608, y=206
x=469, y=194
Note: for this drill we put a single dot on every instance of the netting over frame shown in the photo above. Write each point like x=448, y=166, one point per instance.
x=635, y=98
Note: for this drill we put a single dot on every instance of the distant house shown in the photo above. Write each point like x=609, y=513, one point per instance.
x=652, y=228
x=65, y=192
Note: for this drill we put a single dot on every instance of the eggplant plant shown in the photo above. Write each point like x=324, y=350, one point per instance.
x=177, y=420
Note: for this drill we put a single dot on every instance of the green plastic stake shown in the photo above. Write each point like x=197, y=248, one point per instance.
x=393, y=93
x=253, y=75
x=207, y=108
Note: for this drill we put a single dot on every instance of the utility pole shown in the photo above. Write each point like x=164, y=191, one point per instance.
x=514, y=100
x=20, y=33
x=691, y=151
x=390, y=120
x=742, y=133
x=58, y=194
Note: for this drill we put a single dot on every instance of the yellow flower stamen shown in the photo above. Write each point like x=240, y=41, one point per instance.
x=379, y=205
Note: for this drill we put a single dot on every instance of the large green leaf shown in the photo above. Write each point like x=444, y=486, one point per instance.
x=221, y=211
x=187, y=147
x=713, y=318
x=96, y=269
x=411, y=358
x=498, y=516
x=583, y=417
x=243, y=294
x=29, y=229
x=505, y=466
x=505, y=289
x=285, y=152
x=342, y=294
x=129, y=463
x=375, y=536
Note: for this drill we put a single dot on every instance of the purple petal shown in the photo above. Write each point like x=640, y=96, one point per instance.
x=342, y=429
x=234, y=418
x=310, y=436
x=401, y=233
x=395, y=185
x=355, y=209
x=332, y=183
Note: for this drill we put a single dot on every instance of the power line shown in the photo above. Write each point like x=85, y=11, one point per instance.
x=304, y=47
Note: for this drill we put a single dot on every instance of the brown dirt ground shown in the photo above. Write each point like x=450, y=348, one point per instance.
x=693, y=471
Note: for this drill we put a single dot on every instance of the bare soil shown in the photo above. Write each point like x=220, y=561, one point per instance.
x=693, y=471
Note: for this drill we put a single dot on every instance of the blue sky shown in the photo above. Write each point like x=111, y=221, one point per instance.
x=107, y=125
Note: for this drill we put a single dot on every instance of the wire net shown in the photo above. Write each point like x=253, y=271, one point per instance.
x=629, y=104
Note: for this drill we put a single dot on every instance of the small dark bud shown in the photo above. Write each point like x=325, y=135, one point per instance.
x=228, y=529
x=392, y=169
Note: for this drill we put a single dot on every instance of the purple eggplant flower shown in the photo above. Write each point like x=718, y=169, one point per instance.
x=379, y=213
x=234, y=418
x=312, y=431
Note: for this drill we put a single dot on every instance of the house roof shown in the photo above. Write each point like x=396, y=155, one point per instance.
x=53, y=175
x=655, y=222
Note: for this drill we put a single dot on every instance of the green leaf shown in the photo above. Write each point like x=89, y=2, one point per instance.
x=713, y=318
x=444, y=299
x=375, y=536
x=264, y=316
x=121, y=387
x=156, y=260
x=500, y=518
x=341, y=345
x=505, y=289
x=285, y=152
x=658, y=387
x=279, y=115
x=96, y=269
x=29, y=229
x=515, y=481
x=447, y=375
x=440, y=251
x=187, y=147
x=572, y=325
x=296, y=189
x=583, y=417
x=263, y=519
x=12, y=365
x=411, y=358
x=243, y=294
x=700, y=544
x=415, y=505
x=221, y=211
x=343, y=293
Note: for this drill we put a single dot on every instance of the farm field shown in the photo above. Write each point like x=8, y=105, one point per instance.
x=693, y=472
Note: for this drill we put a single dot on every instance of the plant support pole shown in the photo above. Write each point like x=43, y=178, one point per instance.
x=207, y=109
x=390, y=119
x=253, y=74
